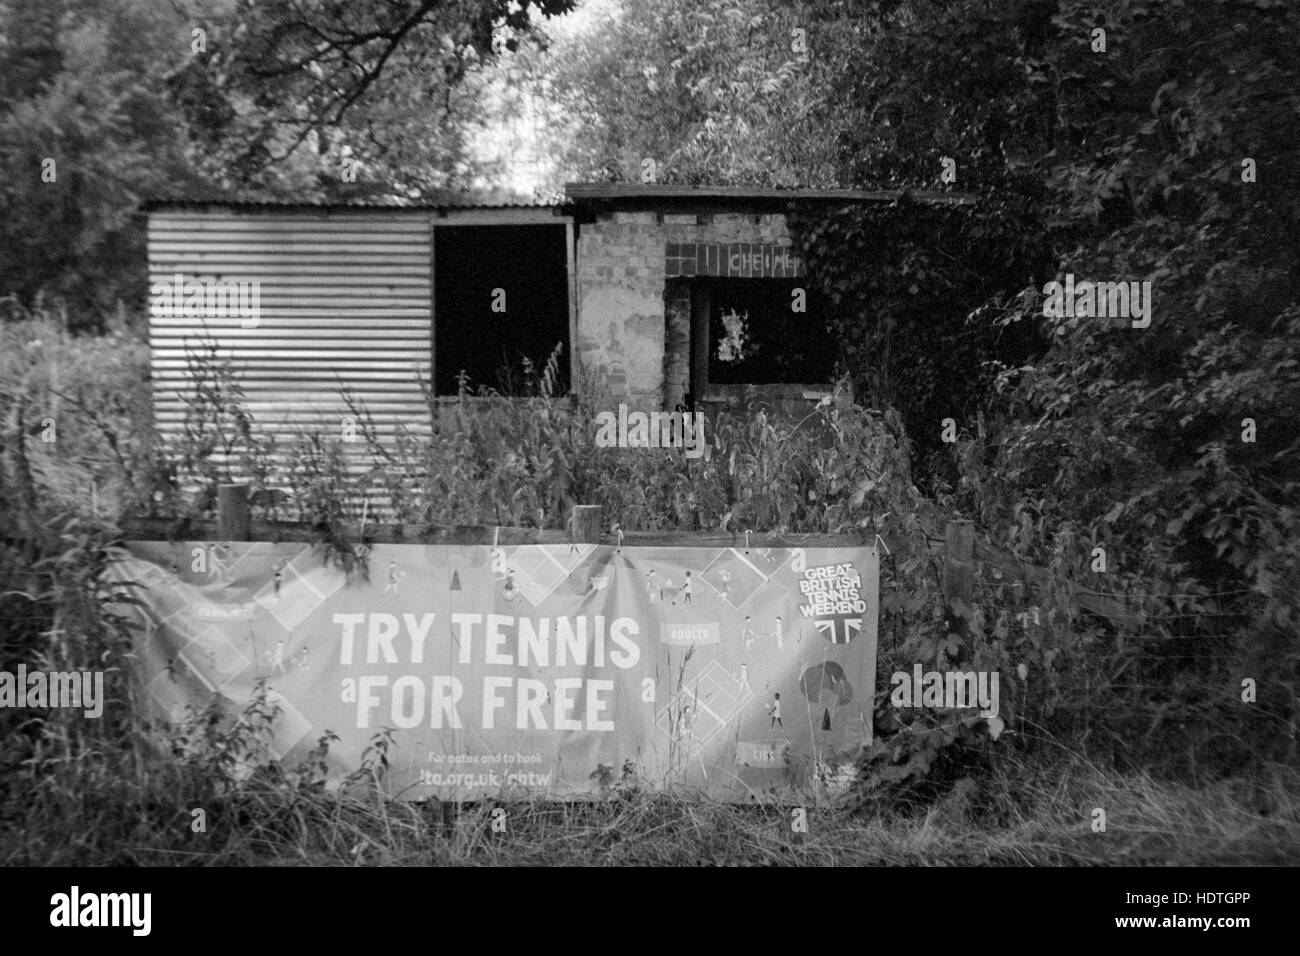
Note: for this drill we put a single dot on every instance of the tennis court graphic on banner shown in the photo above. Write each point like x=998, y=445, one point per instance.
x=521, y=670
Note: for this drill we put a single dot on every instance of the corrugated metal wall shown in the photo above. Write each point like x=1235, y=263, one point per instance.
x=344, y=302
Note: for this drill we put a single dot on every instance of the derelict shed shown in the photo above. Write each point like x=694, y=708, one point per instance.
x=307, y=300
x=660, y=295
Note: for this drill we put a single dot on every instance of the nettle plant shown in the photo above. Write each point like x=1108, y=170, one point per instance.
x=1131, y=638
x=525, y=461
x=217, y=440
x=223, y=750
x=918, y=750
x=837, y=468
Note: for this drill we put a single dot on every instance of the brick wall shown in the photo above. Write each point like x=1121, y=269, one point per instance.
x=677, y=343
x=626, y=341
x=738, y=260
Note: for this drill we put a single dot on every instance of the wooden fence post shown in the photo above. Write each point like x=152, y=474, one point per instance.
x=448, y=814
x=959, y=573
x=233, y=517
x=586, y=524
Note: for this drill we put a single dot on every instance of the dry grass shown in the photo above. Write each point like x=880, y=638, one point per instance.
x=1040, y=819
x=75, y=794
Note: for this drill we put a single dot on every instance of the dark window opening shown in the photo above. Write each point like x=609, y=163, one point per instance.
x=745, y=332
x=522, y=268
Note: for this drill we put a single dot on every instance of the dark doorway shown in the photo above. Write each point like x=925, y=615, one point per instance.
x=521, y=268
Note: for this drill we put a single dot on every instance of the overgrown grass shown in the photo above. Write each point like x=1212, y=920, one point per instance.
x=1020, y=816
x=1177, y=766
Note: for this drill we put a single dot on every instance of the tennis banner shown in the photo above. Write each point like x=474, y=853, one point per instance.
x=531, y=670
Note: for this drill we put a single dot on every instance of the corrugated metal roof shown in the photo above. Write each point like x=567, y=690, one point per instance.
x=609, y=193
x=654, y=192
x=463, y=202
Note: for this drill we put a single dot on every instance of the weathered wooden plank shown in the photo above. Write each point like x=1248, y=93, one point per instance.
x=144, y=529
x=233, y=515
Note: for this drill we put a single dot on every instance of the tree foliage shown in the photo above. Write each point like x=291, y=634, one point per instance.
x=713, y=93
x=1127, y=164
x=85, y=131
x=107, y=103
x=374, y=83
x=1164, y=150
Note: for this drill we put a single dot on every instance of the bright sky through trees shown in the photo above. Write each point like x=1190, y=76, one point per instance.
x=513, y=143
